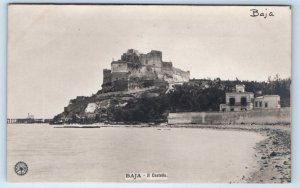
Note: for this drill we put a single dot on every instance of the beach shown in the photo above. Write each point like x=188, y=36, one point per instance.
x=107, y=154
x=272, y=154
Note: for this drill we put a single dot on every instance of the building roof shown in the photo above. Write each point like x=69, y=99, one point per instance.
x=119, y=62
x=261, y=97
x=230, y=93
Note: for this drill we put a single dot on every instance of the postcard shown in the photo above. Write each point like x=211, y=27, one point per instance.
x=149, y=93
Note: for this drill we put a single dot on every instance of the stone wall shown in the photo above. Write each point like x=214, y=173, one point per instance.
x=153, y=57
x=180, y=75
x=272, y=116
x=119, y=66
x=106, y=76
x=120, y=85
x=131, y=56
x=119, y=76
x=167, y=68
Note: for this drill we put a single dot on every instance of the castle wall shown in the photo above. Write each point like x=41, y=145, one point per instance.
x=119, y=76
x=143, y=58
x=137, y=70
x=107, y=77
x=180, y=76
x=120, y=85
x=119, y=66
x=167, y=65
x=131, y=56
x=167, y=71
x=167, y=68
x=154, y=58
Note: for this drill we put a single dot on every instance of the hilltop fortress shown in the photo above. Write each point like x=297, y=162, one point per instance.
x=133, y=76
x=136, y=70
x=137, y=89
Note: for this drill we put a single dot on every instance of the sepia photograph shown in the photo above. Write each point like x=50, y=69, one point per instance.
x=149, y=93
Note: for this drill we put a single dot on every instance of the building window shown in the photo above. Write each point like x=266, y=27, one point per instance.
x=260, y=103
x=266, y=105
x=243, y=101
x=231, y=109
x=256, y=103
x=231, y=101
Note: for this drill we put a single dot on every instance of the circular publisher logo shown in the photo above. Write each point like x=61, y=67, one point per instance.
x=21, y=168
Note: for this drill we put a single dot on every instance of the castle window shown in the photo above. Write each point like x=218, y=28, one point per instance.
x=260, y=103
x=266, y=105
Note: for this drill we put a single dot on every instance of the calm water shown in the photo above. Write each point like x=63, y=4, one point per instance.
x=106, y=154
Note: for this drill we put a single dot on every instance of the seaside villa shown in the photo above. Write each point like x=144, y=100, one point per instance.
x=267, y=102
x=240, y=100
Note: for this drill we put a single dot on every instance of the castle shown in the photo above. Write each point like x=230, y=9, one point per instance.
x=136, y=70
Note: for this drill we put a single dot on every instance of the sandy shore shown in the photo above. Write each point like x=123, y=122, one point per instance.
x=273, y=154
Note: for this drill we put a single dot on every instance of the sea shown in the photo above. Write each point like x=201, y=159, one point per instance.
x=119, y=153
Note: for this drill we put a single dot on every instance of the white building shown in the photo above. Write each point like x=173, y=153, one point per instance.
x=238, y=100
x=267, y=102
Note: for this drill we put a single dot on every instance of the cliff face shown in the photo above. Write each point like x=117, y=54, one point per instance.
x=136, y=70
x=100, y=107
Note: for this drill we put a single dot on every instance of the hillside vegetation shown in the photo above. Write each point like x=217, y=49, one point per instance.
x=194, y=96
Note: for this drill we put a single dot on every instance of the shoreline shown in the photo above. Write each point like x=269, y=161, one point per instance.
x=273, y=154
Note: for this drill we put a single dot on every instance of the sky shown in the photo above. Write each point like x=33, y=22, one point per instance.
x=58, y=52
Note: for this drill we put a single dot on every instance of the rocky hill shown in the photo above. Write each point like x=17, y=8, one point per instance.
x=135, y=75
x=143, y=88
x=102, y=107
